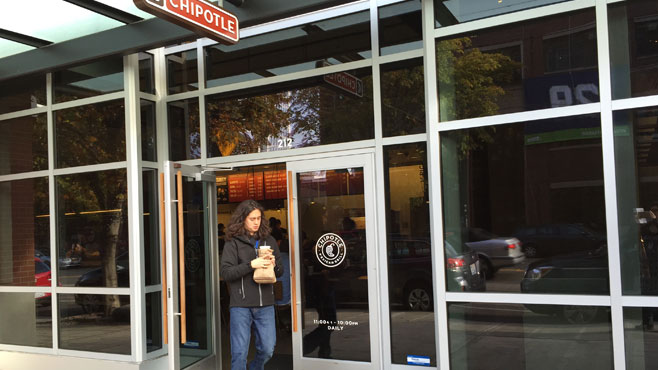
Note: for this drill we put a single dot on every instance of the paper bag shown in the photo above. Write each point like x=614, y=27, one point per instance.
x=266, y=275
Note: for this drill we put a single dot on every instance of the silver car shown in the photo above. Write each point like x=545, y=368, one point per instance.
x=493, y=251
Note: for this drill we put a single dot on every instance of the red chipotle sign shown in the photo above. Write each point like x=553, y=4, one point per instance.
x=197, y=15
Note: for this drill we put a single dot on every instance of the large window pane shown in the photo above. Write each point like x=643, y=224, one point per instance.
x=400, y=27
x=24, y=144
x=542, y=63
x=149, y=138
x=451, y=12
x=409, y=253
x=635, y=157
x=531, y=337
x=26, y=319
x=633, y=27
x=329, y=109
x=94, y=322
x=182, y=72
x=90, y=134
x=154, y=321
x=184, y=130
x=146, y=73
x=92, y=221
x=326, y=42
x=93, y=79
x=151, y=226
x=403, y=98
x=640, y=338
x=528, y=200
x=24, y=233
x=23, y=93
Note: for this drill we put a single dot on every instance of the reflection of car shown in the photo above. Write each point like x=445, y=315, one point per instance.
x=42, y=277
x=410, y=271
x=548, y=240
x=493, y=251
x=576, y=273
x=95, y=278
x=69, y=262
x=42, y=257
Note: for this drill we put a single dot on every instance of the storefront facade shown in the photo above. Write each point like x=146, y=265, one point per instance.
x=455, y=184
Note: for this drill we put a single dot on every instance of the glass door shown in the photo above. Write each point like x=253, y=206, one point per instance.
x=332, y=228
x=190, y=221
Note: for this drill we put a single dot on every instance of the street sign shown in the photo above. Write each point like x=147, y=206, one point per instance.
x=345, y=81
x=199, y=16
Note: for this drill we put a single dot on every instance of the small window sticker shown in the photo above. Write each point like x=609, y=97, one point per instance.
x=418, y=360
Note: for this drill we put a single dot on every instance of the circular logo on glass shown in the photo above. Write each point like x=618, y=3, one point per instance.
x=330, y=250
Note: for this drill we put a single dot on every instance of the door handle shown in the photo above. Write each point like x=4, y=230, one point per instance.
x=163, y=263
x=181, y=259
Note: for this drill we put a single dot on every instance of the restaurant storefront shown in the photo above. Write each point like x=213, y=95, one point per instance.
x=453, y=184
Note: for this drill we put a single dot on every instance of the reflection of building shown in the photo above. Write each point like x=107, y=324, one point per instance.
x=328, y=113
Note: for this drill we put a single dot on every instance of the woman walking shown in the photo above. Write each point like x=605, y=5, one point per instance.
x=251, y=304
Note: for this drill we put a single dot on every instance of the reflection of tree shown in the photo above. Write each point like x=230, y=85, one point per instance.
x=89, y=135
x=243, y=125
x=100, y=191
x=470, y=85
x=312, y=114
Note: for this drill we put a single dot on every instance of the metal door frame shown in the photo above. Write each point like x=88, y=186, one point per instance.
x=171, y=247
x=365, y=160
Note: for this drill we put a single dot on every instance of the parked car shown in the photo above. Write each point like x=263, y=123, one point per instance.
x=42, y=277
x=43, y=257
x=494, y=251
x=575, y=273
x=410, y=271
x=94, y=278
x=555, y=239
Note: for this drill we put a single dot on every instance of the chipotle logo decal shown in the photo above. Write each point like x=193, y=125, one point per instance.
x=199, y=16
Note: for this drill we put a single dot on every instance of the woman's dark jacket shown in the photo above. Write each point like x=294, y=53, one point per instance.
x=236, y=270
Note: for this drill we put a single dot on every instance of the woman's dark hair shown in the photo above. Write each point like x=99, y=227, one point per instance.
x=236, y=224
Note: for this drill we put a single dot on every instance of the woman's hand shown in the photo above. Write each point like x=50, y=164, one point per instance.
x=260, y=263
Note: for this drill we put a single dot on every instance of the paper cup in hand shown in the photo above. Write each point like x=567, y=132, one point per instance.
x=264, y=250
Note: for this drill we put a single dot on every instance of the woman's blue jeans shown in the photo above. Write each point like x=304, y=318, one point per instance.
x=262, y=320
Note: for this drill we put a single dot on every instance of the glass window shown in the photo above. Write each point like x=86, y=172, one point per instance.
x=403, y=98
x=151, y=226
x=451, y=12
x=154, y=321
x=400, y=27
x=146, y=73
x=329, y=109
x=92, y=221
x=326, y=42
x=93, y=79
x=409, y=253
x=540, y=337
x=95, y=323
x=90, y=134
x=24, y=144
x=23, y=93
x=547, y=218
x=182, y=72
x=635, y=138
x=633, y=28
x=542, y=63
x=24, y=232
x=639, y=333
x=27, y=319
x=184, y=130
x=149, y=137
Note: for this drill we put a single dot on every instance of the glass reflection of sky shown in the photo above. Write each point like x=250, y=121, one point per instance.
x=465, y=11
